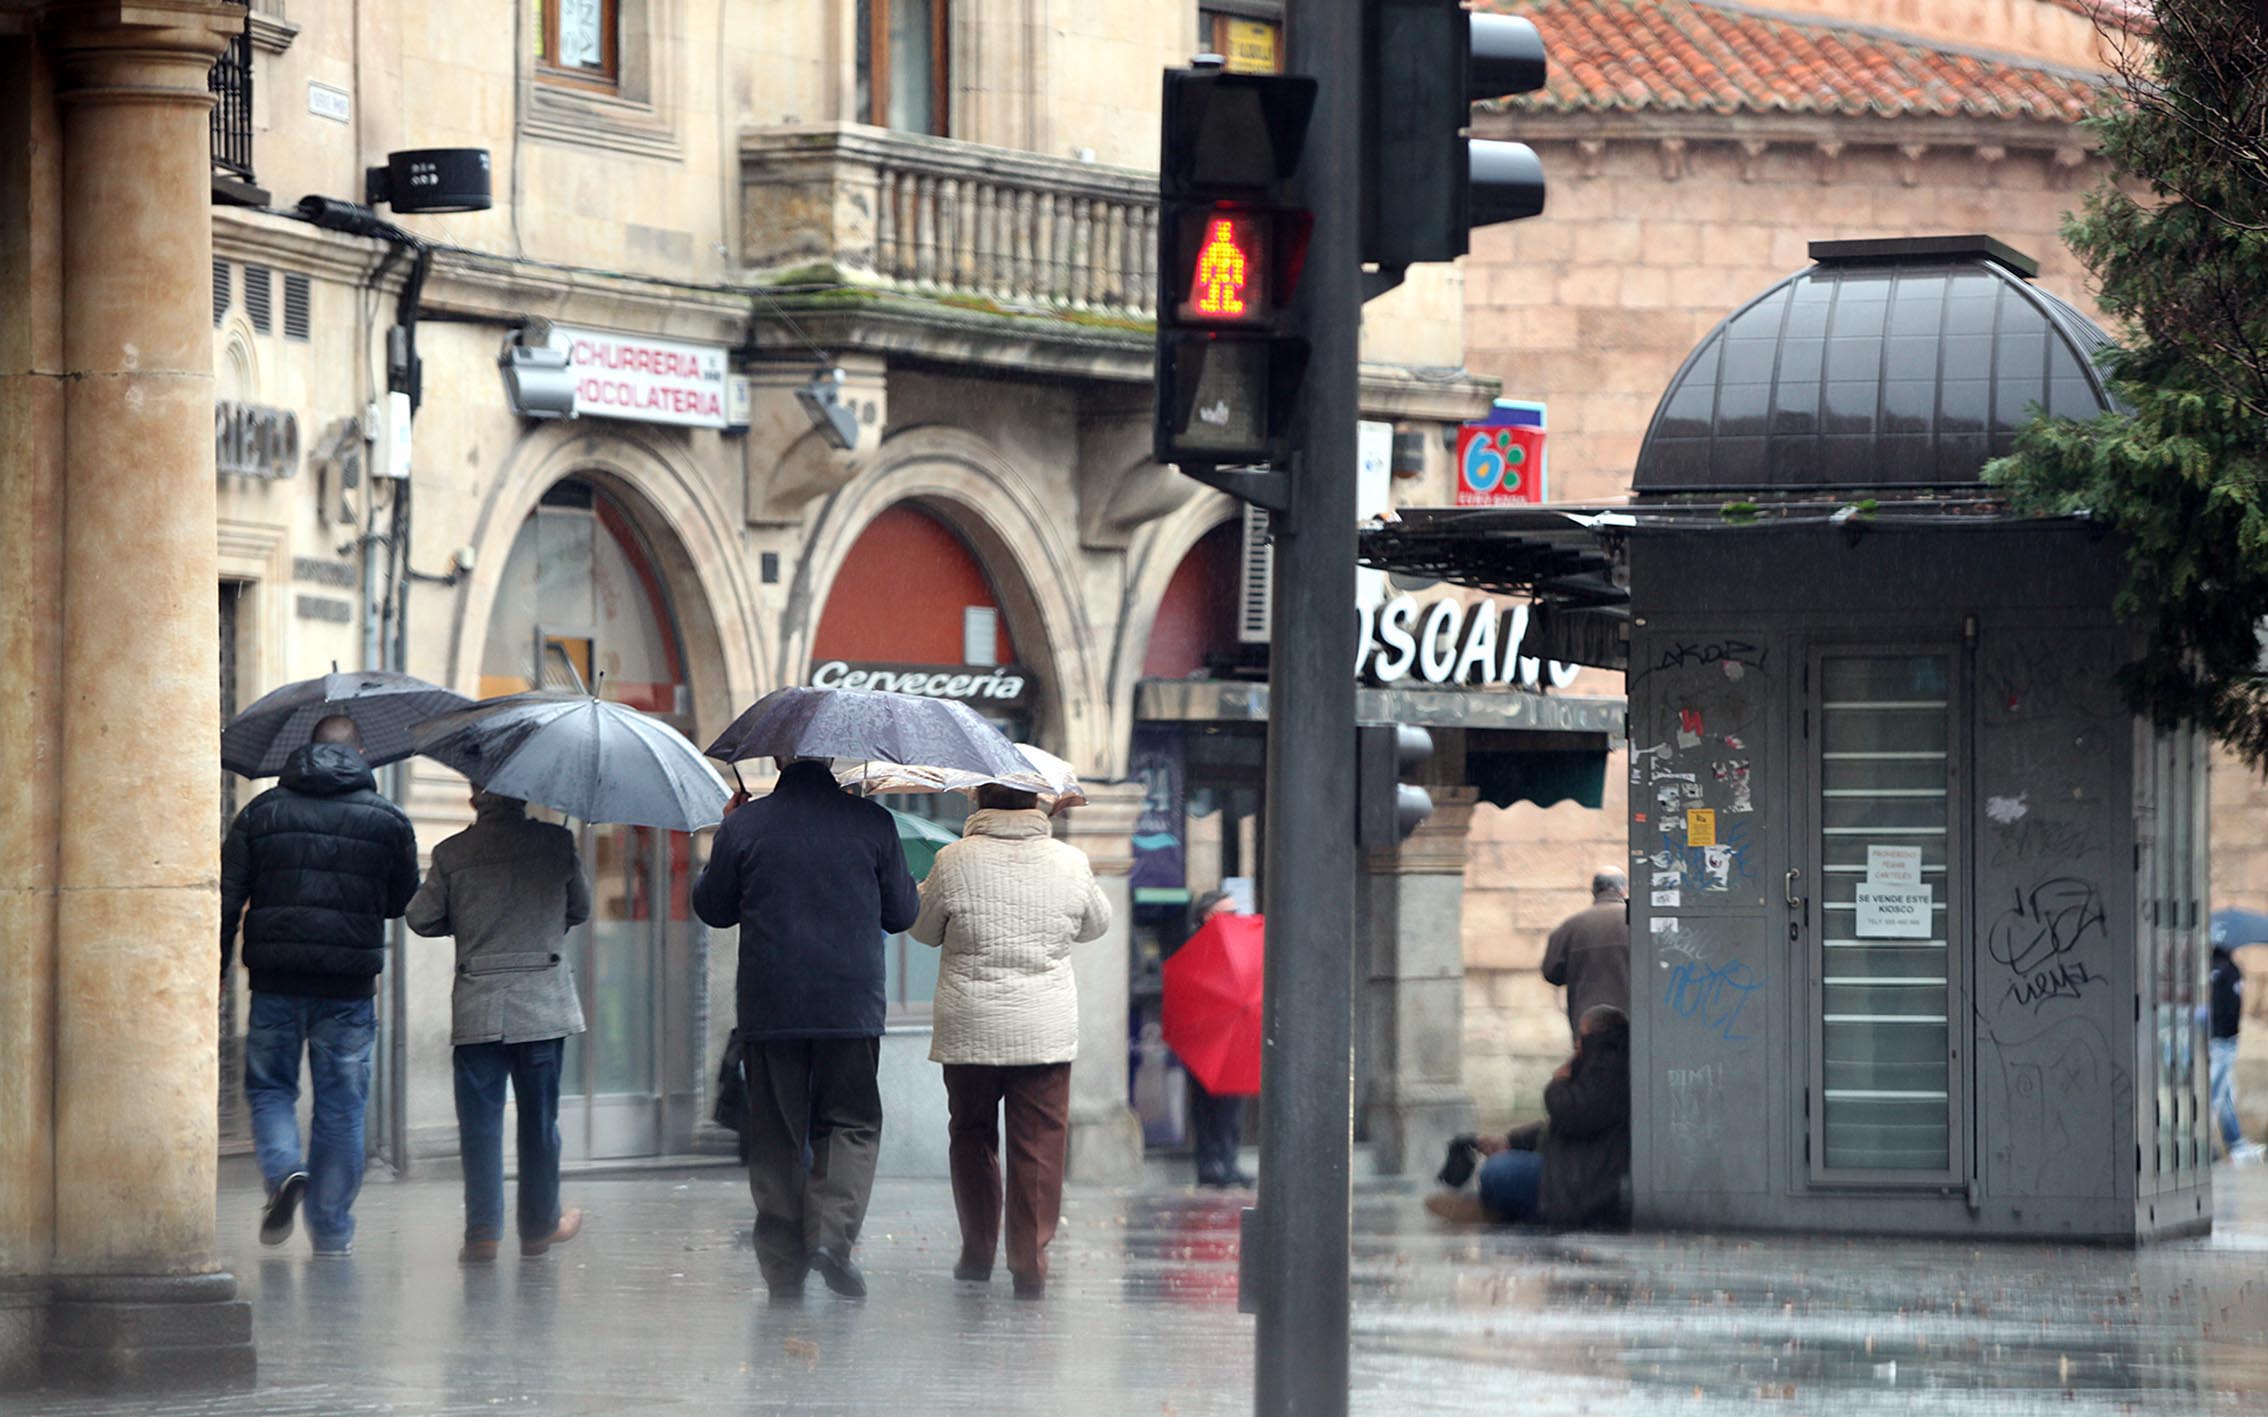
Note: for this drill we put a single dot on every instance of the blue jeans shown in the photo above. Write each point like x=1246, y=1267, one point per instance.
x=336, y=1035
x=2222, y=1054
x=533, y=1069
x=1509, y=1182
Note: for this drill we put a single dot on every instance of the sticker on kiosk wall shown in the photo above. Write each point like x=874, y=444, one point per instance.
x=1500, y=459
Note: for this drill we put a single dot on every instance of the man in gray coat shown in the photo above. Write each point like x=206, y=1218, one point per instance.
x=508, y=889
x=1589, y=954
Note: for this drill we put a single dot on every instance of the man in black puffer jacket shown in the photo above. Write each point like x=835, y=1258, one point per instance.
x=324, y=862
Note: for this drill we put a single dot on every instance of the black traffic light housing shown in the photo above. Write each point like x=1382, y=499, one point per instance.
x=1425, y=184
x=1388, y=809
x=1230, y=254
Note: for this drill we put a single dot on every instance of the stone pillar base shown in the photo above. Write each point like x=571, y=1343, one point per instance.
x=1106, y=1150
x=142, y=1331
x=1410, y=1131
x=23, y=1319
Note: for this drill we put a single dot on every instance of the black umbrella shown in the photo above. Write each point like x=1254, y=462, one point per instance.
x=384, y=705
x=871, y=725
x=599, y=761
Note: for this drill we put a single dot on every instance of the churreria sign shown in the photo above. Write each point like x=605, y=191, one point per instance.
x=647, y=380
x=1003, y=686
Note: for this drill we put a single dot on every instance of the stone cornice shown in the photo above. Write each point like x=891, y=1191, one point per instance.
x=1695, y=129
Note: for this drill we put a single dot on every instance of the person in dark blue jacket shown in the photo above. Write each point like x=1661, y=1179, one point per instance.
x=815, y=880
x=323, y=862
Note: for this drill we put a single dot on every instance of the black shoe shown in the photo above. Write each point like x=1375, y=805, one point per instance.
x=1238, y=1181
x=1031, y=1289
x=1457, y=1166
x=841, y=1275
x=275, y=1221
x=790, y=1293
x=972, y=1274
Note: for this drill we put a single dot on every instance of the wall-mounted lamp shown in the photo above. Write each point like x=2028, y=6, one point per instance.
x=537, y=380
x=822, y=401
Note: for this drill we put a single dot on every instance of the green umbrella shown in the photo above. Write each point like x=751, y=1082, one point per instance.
x=921, y=840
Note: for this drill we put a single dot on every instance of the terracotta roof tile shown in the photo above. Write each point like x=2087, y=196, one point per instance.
x=1719, y=57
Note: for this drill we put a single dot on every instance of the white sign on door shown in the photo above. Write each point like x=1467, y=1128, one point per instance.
x=1893, y=865
x=1893, y=912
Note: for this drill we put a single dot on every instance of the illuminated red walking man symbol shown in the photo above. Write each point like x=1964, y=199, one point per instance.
x=1220, y=277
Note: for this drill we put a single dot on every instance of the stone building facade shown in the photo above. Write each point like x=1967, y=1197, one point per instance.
x=949, y=201
x=1695, y=148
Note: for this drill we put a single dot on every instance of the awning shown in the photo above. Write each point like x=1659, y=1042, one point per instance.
x=1506, y=711
x=1567, y=561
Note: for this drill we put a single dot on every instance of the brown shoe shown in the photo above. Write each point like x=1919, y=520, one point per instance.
x=570, y=1225
x=1458, y=1207
x=477, y=1252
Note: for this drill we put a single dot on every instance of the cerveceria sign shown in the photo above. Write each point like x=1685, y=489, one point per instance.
x=1005, y=686
x=648, y=380
x=1449, y=642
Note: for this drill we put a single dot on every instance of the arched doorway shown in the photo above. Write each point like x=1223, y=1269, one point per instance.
x=582, y=604
x=912, y=593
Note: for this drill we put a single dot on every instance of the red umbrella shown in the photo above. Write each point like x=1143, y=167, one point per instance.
x=1212, y=1004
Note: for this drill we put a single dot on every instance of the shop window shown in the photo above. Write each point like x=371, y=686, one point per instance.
x=903, y=64
x=1249, y=34
x=579, y=42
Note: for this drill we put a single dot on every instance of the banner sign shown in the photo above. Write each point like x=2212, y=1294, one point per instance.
x=1157, y=765
x=644, y=380
x=1451, y=643
x=1500, y=459
x=981, y=687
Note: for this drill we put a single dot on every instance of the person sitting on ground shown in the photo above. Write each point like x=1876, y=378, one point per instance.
x=1566, y=1171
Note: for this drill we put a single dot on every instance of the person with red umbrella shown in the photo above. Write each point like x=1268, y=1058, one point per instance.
x=1212, y=1021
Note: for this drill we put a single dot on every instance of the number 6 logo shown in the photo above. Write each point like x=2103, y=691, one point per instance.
x=1484, y=464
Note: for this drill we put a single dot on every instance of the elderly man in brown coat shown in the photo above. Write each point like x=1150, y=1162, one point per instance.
x=1589, y=954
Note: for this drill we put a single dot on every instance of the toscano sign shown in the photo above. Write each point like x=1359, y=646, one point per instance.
x=1450, y=643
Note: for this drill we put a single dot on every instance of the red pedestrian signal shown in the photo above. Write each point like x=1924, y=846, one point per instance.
x=1228, y=278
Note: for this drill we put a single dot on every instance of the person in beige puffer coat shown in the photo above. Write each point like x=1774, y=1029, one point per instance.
x=1006, y=903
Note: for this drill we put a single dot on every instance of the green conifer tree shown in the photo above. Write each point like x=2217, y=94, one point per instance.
x=2177, y=238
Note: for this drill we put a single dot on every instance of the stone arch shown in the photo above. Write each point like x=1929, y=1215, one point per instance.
x=1156, y=553
x=975, y=489
x=689, y=530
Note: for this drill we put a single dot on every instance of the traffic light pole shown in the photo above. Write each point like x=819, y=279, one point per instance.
x=1306, y=1108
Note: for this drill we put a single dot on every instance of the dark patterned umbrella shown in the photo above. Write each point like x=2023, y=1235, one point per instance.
x=871, y=725
x=594, y=760
x=384, y=705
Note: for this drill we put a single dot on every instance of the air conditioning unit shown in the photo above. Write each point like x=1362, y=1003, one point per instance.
x=1256, y=581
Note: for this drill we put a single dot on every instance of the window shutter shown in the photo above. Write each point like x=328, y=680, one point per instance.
x=221, y=290
x=257, y=298
x=1256, y=596
x=294, y=306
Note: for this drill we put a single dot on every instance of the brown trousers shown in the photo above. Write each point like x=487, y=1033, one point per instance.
x=1039, y=1133
x=819, y=1092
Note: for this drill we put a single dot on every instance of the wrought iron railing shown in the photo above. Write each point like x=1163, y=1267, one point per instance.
x=231, y=84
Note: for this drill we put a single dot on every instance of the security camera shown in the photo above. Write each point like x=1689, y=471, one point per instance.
x=537, y=381
x=462, y=561
x=822, y=401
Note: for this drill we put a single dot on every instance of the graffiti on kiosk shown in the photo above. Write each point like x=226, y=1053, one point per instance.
x=2037, y=934
x=1714, y=995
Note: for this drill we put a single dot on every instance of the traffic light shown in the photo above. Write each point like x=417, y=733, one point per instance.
x=1230, y=252
x=1425, y=184
x=1388, y=809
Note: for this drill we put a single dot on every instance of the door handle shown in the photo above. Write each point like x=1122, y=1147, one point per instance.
x=1794, y=875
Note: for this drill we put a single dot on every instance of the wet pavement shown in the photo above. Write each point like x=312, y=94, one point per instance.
x=657, y=1308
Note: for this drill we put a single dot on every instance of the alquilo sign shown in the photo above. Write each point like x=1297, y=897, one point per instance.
x=644, y=380
x=1452, y=643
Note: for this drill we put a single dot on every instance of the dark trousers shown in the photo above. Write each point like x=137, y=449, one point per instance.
x=820, y=1094
x=1216, y=1131
x=533, y=1070
x=1038, y=1100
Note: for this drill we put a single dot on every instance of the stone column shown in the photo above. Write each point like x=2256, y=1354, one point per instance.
x=1106, y=1136
x=31, y=645
x=1410, y=938
x=138, y=1293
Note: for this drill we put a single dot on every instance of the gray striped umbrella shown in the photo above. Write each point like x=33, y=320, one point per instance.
x=386, y=706
x=593, y=760
x=871, y=725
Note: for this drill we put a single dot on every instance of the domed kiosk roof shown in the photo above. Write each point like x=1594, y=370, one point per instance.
x=1888, y=365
